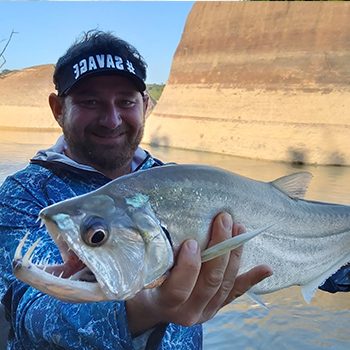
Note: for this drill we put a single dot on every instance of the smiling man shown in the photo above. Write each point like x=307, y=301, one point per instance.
x=100, y=105
x=102, y=120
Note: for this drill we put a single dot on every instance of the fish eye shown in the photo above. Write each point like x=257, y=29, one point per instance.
x=94, y=231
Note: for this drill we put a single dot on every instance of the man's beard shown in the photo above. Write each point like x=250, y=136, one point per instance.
x=104, y=157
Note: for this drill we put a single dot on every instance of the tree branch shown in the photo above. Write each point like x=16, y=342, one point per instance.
x=5, y=47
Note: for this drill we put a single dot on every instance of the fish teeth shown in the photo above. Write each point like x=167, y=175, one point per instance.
x=42, y=221
x=61, y=274
x=27, y=258
x=18, y=252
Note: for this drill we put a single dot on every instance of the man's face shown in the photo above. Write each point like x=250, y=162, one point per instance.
x=103, y=121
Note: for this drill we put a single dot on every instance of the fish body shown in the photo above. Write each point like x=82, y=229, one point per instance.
x=120, y=230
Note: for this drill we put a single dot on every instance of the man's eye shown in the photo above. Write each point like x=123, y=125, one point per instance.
x=126, y=103
x=89, y=103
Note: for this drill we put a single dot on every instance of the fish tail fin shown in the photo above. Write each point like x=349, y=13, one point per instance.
x=230, y=244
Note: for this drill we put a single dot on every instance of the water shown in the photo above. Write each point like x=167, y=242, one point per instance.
x=289, y=323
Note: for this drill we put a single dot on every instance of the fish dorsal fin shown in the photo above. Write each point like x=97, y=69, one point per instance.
x=294, y=185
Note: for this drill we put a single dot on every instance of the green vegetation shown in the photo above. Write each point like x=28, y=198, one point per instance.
x=155, y=90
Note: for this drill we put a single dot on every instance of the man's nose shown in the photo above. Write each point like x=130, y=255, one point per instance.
x=112, y=118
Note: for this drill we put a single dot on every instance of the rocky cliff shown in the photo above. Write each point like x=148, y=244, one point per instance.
x=268, y=80
x=24, y=99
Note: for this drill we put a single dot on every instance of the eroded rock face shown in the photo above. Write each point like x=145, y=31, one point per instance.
x=24, y=99
x=268, y=80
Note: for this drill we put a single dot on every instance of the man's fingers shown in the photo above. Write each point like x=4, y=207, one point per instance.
x=247, y=280
x=213, y=271
x=183, y=276
x=228, y=279
x=238, y=229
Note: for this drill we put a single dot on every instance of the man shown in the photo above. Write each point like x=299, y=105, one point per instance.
x=100, y=106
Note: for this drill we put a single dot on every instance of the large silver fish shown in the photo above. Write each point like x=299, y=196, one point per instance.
x=114, y=243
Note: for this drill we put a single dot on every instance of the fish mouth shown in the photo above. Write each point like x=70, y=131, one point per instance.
x=70, y=281
x=96, y=273
x=72, y=267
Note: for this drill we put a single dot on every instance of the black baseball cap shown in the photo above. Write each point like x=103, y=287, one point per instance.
x=95, y=62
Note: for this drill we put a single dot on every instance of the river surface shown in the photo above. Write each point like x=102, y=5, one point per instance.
x=289, y=323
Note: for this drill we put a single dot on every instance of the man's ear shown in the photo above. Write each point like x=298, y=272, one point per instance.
x=56, y=105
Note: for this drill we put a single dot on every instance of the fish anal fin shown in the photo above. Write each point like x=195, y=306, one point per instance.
x=294, y=185
x=308, y=290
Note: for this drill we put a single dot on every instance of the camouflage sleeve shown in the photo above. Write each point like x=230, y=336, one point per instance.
x=44, y=322
x=339, y=282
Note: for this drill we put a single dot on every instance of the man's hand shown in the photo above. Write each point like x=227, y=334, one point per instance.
x=195, y=292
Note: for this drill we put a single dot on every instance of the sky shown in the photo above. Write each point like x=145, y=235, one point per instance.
x=46, y=29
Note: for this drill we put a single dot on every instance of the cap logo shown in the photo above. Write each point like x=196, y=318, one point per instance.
x=101, y=61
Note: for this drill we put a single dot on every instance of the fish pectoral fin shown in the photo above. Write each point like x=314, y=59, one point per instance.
x=294, y=185
x=230, y=244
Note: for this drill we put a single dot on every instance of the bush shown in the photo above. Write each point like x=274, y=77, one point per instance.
x=155, y=90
